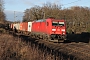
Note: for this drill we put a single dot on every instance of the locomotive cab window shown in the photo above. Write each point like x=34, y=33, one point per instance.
x=61, y=23
x=57, y=23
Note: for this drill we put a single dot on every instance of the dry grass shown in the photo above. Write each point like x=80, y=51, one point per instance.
x=12, y=48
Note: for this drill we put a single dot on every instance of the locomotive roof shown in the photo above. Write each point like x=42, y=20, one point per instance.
x=41, y=20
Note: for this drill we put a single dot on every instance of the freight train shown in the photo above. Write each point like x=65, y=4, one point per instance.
x=50, y=28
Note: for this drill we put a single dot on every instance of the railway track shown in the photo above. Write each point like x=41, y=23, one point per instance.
x=79, y=51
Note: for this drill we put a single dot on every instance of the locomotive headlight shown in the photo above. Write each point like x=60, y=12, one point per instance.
x=63, y=30
x=53, y=29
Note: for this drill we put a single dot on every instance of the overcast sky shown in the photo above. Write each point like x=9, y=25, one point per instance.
x=21, y=5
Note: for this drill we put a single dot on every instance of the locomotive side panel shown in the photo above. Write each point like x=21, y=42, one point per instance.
x=42, y=27
x=35, y=27
x=48, y=26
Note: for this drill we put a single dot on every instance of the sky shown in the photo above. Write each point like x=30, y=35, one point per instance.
x=19, y=6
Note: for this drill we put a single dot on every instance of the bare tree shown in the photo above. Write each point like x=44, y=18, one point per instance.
x=2, y=15
x=77, y=18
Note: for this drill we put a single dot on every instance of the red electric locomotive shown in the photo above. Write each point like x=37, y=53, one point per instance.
x=49, y=28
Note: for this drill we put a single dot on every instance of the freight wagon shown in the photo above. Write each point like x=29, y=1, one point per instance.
x=23, y=27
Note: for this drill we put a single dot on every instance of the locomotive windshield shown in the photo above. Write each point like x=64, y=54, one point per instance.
x=57, y=23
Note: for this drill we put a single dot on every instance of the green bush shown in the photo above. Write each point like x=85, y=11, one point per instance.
x=88, y=29
x=2, y=30
x=69, y=31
